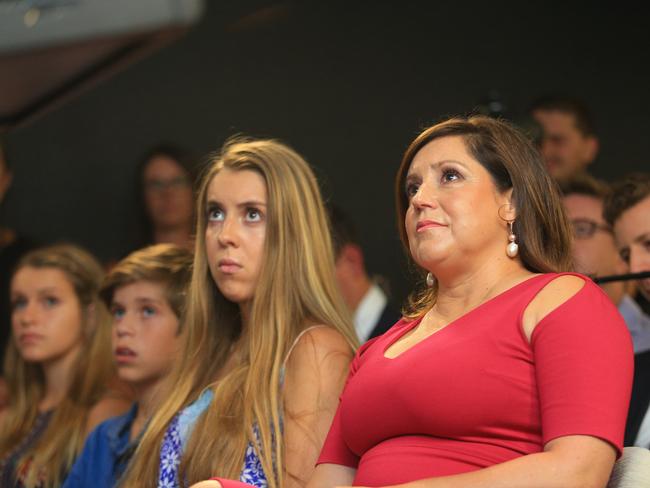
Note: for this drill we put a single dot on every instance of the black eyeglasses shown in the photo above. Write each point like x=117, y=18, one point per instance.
x=585, y=228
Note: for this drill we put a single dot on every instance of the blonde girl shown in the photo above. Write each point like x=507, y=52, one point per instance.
x=57, y=364
x=266, y=340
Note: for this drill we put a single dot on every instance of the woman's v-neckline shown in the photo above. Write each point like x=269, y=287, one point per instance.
x=416, y=322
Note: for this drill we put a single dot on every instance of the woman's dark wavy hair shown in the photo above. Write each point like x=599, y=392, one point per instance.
x=543, y=232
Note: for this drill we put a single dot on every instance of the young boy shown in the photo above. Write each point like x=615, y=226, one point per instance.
x=145, y=293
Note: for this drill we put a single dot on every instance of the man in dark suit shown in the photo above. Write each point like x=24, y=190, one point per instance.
x=627, y=210
x=368, y=301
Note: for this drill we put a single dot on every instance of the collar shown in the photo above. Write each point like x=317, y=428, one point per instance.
x=369, y=311
x=118, y=431
x=638, y=323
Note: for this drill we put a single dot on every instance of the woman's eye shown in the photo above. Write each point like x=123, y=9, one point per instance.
x=253, y=215
x=51, y=301
x=148, y=312
x=412, y=189
x=449, y=175
x=215, y=215
x=117, y=312
x=18, y=304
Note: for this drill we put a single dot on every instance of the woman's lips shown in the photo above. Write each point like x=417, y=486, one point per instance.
x=228, y=266
x=29, y=338
x=423, y=225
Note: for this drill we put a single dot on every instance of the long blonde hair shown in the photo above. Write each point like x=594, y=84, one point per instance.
x=56, y=450
x=296, y=286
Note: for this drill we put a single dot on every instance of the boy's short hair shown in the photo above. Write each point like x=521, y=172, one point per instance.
x=167, y=264
x=626, y=193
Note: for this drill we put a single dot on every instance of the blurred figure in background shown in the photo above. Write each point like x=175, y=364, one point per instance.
x=165, y=180
x=627, y=210
x=12, y=247
x=368, y=302
x=568, y=141
x=58, y=366
x=145, y=293
x=595, y=253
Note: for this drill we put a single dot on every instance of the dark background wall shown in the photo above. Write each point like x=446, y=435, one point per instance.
x=347, y=84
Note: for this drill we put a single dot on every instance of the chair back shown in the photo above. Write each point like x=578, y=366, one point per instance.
x=632, y=470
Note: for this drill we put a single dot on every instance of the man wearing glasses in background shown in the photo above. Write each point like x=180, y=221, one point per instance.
x=595, y=254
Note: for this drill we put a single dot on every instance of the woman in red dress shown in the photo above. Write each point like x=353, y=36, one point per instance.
x=506, y=370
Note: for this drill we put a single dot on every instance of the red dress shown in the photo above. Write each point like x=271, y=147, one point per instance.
x=477, y=393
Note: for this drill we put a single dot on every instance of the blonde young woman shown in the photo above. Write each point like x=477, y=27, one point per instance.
x=58, y=365
x=266, y=341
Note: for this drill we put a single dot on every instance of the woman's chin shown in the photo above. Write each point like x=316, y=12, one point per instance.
x=431, y=260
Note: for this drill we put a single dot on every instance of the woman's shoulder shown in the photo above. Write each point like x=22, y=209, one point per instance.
x=317, y=364
x=561, y=290
x=319, y=340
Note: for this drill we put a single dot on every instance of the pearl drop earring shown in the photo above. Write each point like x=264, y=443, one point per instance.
x=430, y=280
x=512, y=249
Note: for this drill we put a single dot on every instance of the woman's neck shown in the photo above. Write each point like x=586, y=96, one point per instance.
x=460, y=292
x=245, y=310
x=58, y=375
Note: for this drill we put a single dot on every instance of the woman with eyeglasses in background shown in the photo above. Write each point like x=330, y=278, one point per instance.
x=165, y=178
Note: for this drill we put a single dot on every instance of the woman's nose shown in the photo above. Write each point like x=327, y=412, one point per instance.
x=424, y=197
x=228, y=232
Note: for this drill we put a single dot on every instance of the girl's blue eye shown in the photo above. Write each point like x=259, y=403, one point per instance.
x=51, y=301
x=117, y=312
x=253, y=215
x=215, y=214
x=148, y=312
x=18, y=304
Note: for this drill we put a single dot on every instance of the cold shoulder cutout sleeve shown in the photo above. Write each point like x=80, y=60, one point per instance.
x=583, y=362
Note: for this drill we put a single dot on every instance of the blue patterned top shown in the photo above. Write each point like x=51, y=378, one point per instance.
x=176, y=438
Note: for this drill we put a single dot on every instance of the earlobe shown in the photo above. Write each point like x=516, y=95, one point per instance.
x=353, y=257
x=507, y=211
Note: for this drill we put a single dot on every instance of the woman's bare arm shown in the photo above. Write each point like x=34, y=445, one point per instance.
x=567, y=462
x=316, y=372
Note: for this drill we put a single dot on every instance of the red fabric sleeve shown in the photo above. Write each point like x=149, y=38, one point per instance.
x=584, y=363
x=232, y=483
x=335, y=450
